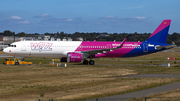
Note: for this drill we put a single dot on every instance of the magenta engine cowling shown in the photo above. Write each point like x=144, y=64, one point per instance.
x=74, y=57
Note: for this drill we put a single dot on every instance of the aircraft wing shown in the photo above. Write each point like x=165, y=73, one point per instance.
x=93, y=52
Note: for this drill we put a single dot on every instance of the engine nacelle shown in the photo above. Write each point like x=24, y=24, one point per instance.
x=63, y=59
x=74, y=57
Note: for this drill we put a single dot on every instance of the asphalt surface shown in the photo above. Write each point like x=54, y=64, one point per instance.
x=143, y=93
x=5, y=56
x=153, y=76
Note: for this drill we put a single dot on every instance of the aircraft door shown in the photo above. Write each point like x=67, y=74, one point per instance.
x=80, y=47
x=23, y=46
x=145, y=47
x=108, y=45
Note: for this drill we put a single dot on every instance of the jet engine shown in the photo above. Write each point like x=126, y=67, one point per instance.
x=74, y=57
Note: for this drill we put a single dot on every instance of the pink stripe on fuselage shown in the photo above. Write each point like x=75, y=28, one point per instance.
x=163, y=25
x=90, y=45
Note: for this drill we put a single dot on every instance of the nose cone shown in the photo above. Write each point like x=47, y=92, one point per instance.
x=5, y=50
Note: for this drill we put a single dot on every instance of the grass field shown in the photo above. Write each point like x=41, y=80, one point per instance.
x=81, y=82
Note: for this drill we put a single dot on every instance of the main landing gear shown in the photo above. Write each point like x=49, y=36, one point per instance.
x=91, y=62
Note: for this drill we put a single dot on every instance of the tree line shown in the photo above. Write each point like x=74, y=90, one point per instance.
x=175, y=37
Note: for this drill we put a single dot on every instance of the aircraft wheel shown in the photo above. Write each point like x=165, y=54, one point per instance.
x=85, y=62
x=91, y=62
x=16, y=63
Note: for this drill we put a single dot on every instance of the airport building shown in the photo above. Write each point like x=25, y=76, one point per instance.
x=34, y=38
x=2, y=46
x=1, y=38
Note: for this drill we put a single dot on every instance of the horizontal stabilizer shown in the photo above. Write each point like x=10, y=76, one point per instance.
x=165, y=47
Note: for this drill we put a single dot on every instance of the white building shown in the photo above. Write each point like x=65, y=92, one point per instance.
x=2, y=46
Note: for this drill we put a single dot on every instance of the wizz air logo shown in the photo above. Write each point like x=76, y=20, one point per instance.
x=41, y=46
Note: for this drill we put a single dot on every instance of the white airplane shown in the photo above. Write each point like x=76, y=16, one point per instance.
x=77, y=51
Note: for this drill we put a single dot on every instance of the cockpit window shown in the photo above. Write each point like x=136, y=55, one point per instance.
x=12, y=46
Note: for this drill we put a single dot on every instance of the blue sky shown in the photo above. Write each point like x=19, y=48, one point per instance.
x=69, y=16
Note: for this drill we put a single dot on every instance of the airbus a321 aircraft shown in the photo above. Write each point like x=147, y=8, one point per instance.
x=77, y=51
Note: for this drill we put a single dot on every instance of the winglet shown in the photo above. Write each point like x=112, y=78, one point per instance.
x=120, y=45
